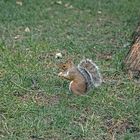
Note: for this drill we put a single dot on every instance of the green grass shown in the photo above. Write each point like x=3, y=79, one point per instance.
x=35, y=103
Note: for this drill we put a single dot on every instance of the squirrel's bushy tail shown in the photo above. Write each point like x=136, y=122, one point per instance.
x=92, y=70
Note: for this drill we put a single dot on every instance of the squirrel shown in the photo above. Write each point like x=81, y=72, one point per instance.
x=83, y=77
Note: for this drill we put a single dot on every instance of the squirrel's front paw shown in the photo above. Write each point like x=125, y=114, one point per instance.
x=60, y=74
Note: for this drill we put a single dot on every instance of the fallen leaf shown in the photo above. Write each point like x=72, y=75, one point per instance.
x=27, y=29
x=2, y=73
x=59, y=2
x=99, y=12
x=17, y=37
x=67, y=5
x=58, y=55
x=70, y=6
x=19, y=3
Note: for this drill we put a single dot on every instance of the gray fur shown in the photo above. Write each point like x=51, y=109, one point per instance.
x=91, y=73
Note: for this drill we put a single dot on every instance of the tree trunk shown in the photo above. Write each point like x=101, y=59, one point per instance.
x=132, y=61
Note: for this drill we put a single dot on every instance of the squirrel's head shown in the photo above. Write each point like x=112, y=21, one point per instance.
x=68, y=70
x=66, y=65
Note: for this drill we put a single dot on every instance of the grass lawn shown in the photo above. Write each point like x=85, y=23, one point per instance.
x=35, y=103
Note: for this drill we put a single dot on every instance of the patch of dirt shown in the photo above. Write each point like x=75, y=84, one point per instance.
x=39, y=98
x=24, y=97
x=84, y=117
x=105, y=56
x=33, y=137
x=74, y=106
x=42, y=99
x=120, y=126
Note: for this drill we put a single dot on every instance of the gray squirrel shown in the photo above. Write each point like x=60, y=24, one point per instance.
x=83, y=77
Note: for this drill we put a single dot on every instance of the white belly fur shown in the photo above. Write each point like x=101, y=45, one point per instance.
x=70, y=86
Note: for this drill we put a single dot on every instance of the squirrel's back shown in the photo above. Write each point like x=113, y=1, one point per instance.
x=91, y=72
